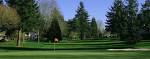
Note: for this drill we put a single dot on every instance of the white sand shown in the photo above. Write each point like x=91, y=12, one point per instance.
x=128, y=49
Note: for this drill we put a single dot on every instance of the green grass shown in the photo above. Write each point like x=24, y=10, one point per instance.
x=73, y=55
x=67, y=45
x=76, y=49
x=143, y=45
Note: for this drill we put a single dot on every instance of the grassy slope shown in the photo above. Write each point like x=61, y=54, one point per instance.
x=70, y=50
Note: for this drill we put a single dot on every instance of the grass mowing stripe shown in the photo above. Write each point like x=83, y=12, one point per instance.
x=32, y=53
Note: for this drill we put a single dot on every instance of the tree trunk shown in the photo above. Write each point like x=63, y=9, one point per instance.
x=23, y=37
x=19, y=38
x=81, y=35
x=38, y=36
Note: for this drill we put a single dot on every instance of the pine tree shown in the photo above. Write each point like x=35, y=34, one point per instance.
x=94, y=29
x=54, y=31
x=116, y=20
x=144, y=17
x=132, y=9
x=28, y=12
x=1, y=1
x=73, y=29
x=82, y=21
x=47, y=9
x=36, y=15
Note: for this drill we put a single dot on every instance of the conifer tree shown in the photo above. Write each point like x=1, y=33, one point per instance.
x=94, y=29
x=116, y=19
x=54, y=31
x=1, y=1
x=47, y=9
x=144, y=17
x=82, y=20
x=28, y=12
x=133, y=28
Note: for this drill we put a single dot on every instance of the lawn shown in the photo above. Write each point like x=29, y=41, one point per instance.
x=73, y=55
x=77, y=49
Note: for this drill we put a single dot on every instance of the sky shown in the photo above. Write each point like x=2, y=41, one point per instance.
x=95, y=8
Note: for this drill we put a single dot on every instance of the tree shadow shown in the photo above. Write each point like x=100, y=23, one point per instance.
x=46, y=49
x=112, y=43
x=91, y=47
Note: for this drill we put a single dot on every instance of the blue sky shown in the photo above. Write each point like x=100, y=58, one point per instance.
x=95, y=8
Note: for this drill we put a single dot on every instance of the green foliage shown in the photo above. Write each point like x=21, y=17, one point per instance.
x=28, y=11
x=82, y=21
x=94, y=29
x=133, y=28
x=73, y=29
x=144, y=17
x=116, y=21
x=9, y=20
x=8, y=17
x=29, y=15
x=54, y=31
x=1, y=1
x=48, y=10
x=122, y=20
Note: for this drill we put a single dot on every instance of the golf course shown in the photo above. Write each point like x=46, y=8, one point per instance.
x=74, y=49
x=74, y=29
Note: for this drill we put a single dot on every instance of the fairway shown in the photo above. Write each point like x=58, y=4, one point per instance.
x=74, y=29
x=77, y=49
x=74, y=55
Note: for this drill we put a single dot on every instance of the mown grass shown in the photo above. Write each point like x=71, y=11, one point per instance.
x=73, y=49
x=66, y=45
x=143, y=45
x=73, y=55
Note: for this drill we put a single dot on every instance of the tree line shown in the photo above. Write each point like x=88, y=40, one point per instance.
x=80, y=26
x=130, y=25
x=20, y=17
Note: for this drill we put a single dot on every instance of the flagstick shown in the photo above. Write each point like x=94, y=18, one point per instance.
x=54, y=47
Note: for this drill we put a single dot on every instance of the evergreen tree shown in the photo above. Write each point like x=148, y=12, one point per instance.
x=116, y=19
x=54, y=31
x=1, y=1
x=28, y=12
x=72, y=25
x=94, y=29
x=132, y=9
x=47, y=9
x=144, y=17
x=82, y=21
x=72, y=29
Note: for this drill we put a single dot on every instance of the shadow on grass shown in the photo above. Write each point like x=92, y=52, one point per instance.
x=111, y=43
x=44, y=49
x=81, y=41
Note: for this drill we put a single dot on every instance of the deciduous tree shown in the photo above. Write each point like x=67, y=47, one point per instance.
x=9, y=20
